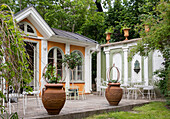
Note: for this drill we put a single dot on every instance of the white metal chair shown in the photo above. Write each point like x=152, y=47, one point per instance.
x=124, y=87
x=82, y=93
x=103, y=86
x=25, y=98
x=132, y=90
x=150, y=92
x=69, y=93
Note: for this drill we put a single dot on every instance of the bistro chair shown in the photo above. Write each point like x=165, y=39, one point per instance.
x=82, y=93
x=69, y=93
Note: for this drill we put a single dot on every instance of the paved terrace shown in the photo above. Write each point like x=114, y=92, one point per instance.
x=76, y=109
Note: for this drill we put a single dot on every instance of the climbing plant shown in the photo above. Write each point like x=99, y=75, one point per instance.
x=14, y=66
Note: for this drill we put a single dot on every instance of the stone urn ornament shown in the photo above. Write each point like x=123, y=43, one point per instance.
x=146, y=28
x=108, y=33
x=126, y=32
x=53, y=95
x=108, y=37
x=113, y=91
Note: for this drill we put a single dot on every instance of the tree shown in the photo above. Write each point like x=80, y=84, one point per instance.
x=127, y=13
x=158, y=38
x=14, y=59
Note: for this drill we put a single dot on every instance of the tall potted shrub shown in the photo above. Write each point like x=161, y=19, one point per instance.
x=53, y=95
x=113, y=91
x=72, y=61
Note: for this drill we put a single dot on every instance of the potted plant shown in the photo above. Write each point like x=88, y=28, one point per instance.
x=53, y=95
x=126, y=29
x=108, y=33
x=113, y=91
x=72, y=61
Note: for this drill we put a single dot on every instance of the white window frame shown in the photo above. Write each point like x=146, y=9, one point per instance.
x=36, y=63
x=76, y=76
x=25, y=28
x=55, y=59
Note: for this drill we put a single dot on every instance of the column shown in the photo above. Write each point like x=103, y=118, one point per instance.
x=107, y=62
x=44, y=59
x=146, y=71
x=125, y=50
x=98, y=70
x=87, y=70
x=67, y=73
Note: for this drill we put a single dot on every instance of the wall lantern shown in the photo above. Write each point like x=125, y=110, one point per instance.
x=137, y=66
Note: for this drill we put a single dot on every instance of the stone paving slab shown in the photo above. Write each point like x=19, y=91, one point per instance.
x=77, y=109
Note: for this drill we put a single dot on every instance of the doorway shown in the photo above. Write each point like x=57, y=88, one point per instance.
x=31, y=49
x=94, y=70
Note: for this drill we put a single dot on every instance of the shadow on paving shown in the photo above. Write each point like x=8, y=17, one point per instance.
x=74, y=109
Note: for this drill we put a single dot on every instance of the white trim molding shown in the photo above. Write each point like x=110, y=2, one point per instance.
x=32, y=15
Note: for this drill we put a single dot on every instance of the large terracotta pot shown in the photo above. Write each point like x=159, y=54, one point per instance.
x=114, y=93
x=53, y=98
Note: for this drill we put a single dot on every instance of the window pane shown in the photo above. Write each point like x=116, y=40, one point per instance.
x=79, y=67
x=21, y=27
x=59, y=56
x=29, y=29
x=59, y=72
x=59, y=64
x=79, y=75
x=74, y=74
x=50, y=56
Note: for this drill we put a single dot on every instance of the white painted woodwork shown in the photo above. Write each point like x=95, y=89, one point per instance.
x=136, y=77
x=157, y=61
x=117, y=60
x=146, y=74
x=107, y=62
x=125, y=50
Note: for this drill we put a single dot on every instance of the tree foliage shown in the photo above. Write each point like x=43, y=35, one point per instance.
x=72, y=61
x=158, y=38
x=127, y=13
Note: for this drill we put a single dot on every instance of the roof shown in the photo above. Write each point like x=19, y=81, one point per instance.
x=22, y=10
x=63, y=33
x=72, y=35
x=121, y=42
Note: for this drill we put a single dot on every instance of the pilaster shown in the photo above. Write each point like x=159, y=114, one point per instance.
x=67, y=73
x=87, y=70
x=44, y=59
x=107, y=62
x=146, y=75
x=125, y=50
x=98, y=69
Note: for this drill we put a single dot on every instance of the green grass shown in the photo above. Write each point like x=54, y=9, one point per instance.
x=153, y=110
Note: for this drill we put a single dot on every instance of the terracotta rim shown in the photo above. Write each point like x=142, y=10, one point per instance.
x=54, y=85
x=115, y=84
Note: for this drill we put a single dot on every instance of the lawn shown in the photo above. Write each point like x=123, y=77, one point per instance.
x=153, y=110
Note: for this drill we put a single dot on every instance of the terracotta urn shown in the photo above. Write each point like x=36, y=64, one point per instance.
x=108, y=37
x=114, y=93
x=147, y=28
x=53, y=98
x=126, y=32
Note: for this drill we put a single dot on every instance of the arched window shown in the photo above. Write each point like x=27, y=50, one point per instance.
x=27, y=28
x=54, y=57
x=78, y=72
